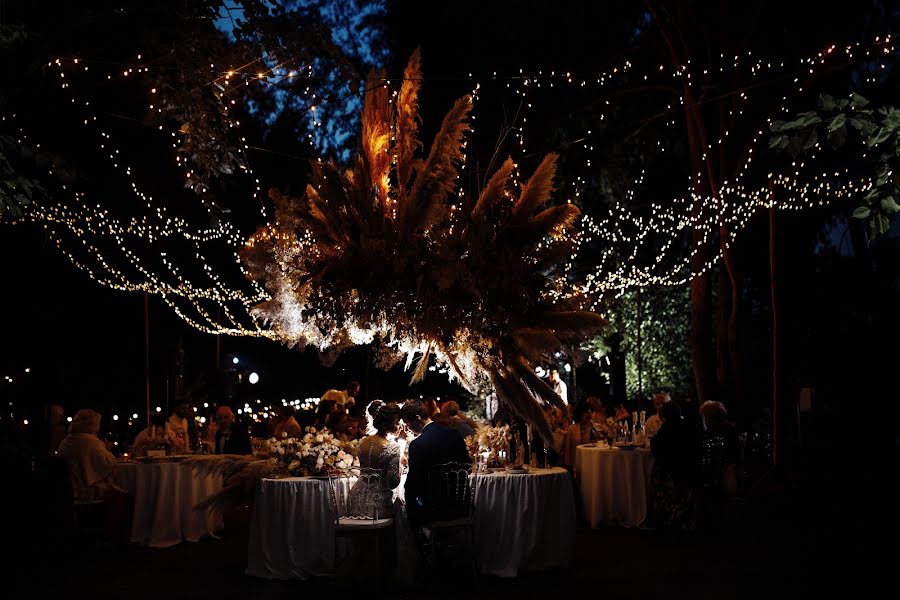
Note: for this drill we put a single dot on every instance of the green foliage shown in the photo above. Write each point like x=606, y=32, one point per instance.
x=847, y=124
x=665, y=357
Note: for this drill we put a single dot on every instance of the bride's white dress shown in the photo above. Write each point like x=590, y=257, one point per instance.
x=371, y=497
x=377, y=453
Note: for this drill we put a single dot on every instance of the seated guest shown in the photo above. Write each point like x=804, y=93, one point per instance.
x=91, y=467
x=344, y=399
x=286, y=424
x=676, y=453
x=458, y=421
x=615, y=410
x=179, y=423
x=432, y=406
x=231, y=437
x=580, y=432
x=442, y=419
x=434, y=445
x=157, y=435
x=717, y=428
x=651, y=427
x=558, y=425
x=347, y=428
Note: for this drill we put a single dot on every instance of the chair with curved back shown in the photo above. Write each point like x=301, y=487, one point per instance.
x=359, y=516
x=447, y=529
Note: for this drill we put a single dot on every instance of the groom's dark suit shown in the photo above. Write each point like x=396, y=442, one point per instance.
x=436, y=444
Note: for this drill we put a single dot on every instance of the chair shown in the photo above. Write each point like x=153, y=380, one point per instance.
x=449, y=518
x=357, y=514
x=713, y=460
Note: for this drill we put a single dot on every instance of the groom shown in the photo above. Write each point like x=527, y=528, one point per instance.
x=435, y=444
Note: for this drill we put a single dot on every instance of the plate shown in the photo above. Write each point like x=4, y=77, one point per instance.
x=591, y=445
x=519, y=471
x=626, y=446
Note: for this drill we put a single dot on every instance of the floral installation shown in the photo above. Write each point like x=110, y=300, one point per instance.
x=488, y=443
x=315, y=453
x=390, y=249
x=158, y=438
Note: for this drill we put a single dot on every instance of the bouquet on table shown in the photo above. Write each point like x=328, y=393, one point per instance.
x=315, y=453
x=489, y=445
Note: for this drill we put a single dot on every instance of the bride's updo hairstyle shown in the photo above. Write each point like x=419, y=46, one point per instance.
x=382, y=417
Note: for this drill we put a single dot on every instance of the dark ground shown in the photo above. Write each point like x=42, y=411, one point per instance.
x=771, y=544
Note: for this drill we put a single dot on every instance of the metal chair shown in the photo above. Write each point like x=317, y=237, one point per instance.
x=713, y=459
x=449, y=522
x=357, y=510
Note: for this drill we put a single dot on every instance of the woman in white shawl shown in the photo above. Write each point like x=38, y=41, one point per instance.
x=91, y=467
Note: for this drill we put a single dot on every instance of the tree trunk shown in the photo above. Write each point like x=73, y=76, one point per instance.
x=701, y=334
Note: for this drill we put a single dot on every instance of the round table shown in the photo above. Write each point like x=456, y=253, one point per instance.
x=614, y=484
x=524, y=522
x=165, y=494
x=292, y=529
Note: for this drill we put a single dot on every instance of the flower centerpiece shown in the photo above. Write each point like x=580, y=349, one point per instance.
x=315, y=453
x=489, y=445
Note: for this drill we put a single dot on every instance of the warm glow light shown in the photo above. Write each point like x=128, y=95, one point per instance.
x=254, y=378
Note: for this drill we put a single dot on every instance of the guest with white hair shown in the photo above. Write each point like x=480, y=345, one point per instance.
x=91, y=466
x=717, y=425
x=90, y=462
x=651, y=427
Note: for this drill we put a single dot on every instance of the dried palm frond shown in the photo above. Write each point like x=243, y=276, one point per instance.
x=523, y=404
x=376, y=136
x=534, y=383
x=536, y=192
x=241, y=484
x=535, y=343
x=493, y=191
x=408, y=122
x=419, y=209
x=389, y=252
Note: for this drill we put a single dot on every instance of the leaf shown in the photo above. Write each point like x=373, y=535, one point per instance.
x=812, y=140
x=882, y=135
x=809, y=118
x=863, y=126
x=838, y=136
x=776, y=126
x=889, y=206
x=892, y=119
x=837, y=122
x=826, y=102
x=858, y=101
x=885, y=224
x=779, y=142
x=862, y=212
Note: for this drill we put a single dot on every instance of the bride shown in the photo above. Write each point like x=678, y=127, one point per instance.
x=369, y=497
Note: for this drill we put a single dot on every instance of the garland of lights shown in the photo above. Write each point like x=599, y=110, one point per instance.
x=734, y=206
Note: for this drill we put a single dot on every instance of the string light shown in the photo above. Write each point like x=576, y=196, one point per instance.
x=624, y=236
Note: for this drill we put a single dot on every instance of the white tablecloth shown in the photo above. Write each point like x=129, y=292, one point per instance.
x=524, y=522
x=614, y=484
x=164, y=498
x=292, y=531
